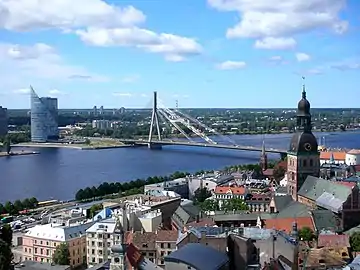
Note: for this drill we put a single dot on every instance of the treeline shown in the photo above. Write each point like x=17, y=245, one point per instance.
x=6, y=255
x=124, y=189
x=17, y=206
x=16, y=137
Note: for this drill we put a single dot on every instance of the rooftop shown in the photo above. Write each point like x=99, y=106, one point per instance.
x=230, y=190
x=338, y=156
x=354, y=152
x=198, y=256
x=285, y=224
x=152, y=214
x=55, y=232
x=108, y=225
x=31, y=265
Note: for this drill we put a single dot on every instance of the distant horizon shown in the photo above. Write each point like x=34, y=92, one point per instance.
x=201, y=108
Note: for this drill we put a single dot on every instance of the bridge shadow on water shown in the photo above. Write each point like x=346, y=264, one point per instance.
x=220, y=153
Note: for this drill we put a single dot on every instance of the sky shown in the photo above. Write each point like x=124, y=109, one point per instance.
x=201, y=53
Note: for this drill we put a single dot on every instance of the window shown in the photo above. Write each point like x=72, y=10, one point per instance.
x=151, y=254
x=47, y=252
x=162, y=245
x=311, y=162
x=25, y=249
x=47, y=243
x=304, y=162
x=35, y=251
x=116, y=260
x=41, y=242
x=169, y=245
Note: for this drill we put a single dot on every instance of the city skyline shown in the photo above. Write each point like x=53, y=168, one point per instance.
x=208, y=53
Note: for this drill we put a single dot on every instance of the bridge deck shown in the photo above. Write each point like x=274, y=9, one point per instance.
x=199, y=144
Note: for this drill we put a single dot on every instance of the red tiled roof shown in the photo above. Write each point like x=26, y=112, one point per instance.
x=268, y=172
x=333, y=241
x=166, y=235
x=133, y=255
x=348, y=184
x=337, y=155
x=202, y=223
x=285, y=224
x=357, y=168
x=234, y=190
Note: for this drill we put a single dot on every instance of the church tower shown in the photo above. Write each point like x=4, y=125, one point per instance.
x=303, y=157
x=263, y=158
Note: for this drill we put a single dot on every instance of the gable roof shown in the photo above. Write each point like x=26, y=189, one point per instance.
x=198, y=256
x=314, y=187
x=281, y=202
x=326, y=220
x=333, y=240
x=233, y=190
x=285, y=224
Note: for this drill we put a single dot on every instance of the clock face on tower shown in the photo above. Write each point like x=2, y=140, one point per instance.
x=307, y=146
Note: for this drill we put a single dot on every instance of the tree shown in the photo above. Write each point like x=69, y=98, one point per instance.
x=201, y=194
x=9, y=207
x=6, y=255
x=209, y=205
x=18, y=205
x=355, y=241
x=2, y=209
x=61, y=255
x=33, y=202
x=279, y=172
x=234, y=204
x=6, y=234
x=7, y=145
x=26, y=203
x=306, y=234
x=94, y=209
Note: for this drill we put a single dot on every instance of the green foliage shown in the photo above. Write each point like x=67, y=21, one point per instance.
x=6, y=234
x=209, y=205
x=6, y=255
x=306, y=234
x=61, y=255
x=94, y=209
x=124, y=189
x=234, y=204
x=7, y=144
x=201, y=194
x=279, y=172
x=14, y=138
x=17, y=206
x=355, y=241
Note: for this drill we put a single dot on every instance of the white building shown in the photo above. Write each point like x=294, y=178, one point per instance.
x=353, y=157
x=151, y=221
x=101, y=124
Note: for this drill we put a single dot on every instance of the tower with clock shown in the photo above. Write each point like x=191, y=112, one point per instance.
x=303, y=157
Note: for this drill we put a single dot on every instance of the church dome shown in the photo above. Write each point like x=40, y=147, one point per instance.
x=119, y=249
x=304, y=106
x=303, y=142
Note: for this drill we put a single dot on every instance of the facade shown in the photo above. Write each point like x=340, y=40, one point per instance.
x=227, y=193
x=102, y=124
x=44, y=118
x=303, y=156
x=154, y=245
x=335, y=157
x=40, y=242
x=353, y=157
x=3, y=121
x=100, y=237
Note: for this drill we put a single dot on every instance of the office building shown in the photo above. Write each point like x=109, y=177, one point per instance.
x=44, y=118
x=3, y=121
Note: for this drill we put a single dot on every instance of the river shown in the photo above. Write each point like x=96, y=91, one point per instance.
x=59, y=173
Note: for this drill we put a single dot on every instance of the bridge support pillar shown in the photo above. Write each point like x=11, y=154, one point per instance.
x=154, y=146
x=283, y=156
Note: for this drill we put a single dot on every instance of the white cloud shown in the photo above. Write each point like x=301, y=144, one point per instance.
x=26, y=15
x=174, y=48
x=118, y=94
x=265, y=18
x=144, y=95
x=231, y=65
x=38, y=61
x=130, y=78
x=96, y=23
x=277, y=59
x=271, y=43
x=346, y=66
x=22, y=91
x=55, y=92
x=302, y=57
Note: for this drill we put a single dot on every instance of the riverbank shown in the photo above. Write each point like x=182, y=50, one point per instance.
x=18, y=153
x=94, y=145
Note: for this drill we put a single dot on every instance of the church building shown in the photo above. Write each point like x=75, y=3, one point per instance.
x=303, y=157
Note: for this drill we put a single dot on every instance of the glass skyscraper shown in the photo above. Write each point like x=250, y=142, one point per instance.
x=44, y=118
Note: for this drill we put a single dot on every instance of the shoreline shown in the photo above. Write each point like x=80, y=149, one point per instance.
x=18, y=153
x=70, y=146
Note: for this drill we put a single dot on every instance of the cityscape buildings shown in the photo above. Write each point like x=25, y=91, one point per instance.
x=44, y=118
x=3, y=121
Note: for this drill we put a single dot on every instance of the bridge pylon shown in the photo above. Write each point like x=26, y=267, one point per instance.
x=154, y=122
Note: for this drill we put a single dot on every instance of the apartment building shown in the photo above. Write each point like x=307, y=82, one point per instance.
x=154, y=245
x=40, y=242
x=100, y=237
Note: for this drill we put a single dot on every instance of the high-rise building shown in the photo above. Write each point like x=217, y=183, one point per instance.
x=303, y=158
x=3, y=121
x=44, y=118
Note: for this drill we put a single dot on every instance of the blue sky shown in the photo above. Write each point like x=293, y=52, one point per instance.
x=203, y=53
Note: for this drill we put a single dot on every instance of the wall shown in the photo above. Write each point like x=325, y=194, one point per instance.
x=352, y=159
x=194, y=184
x=151, y=224
x=167, y=209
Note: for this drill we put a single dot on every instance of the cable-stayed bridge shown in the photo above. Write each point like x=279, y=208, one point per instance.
x=178, y=120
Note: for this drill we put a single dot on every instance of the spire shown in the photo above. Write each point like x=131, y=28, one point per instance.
x=263, y=157
x=263, y=148
x=303, y=88
x=332, y=159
